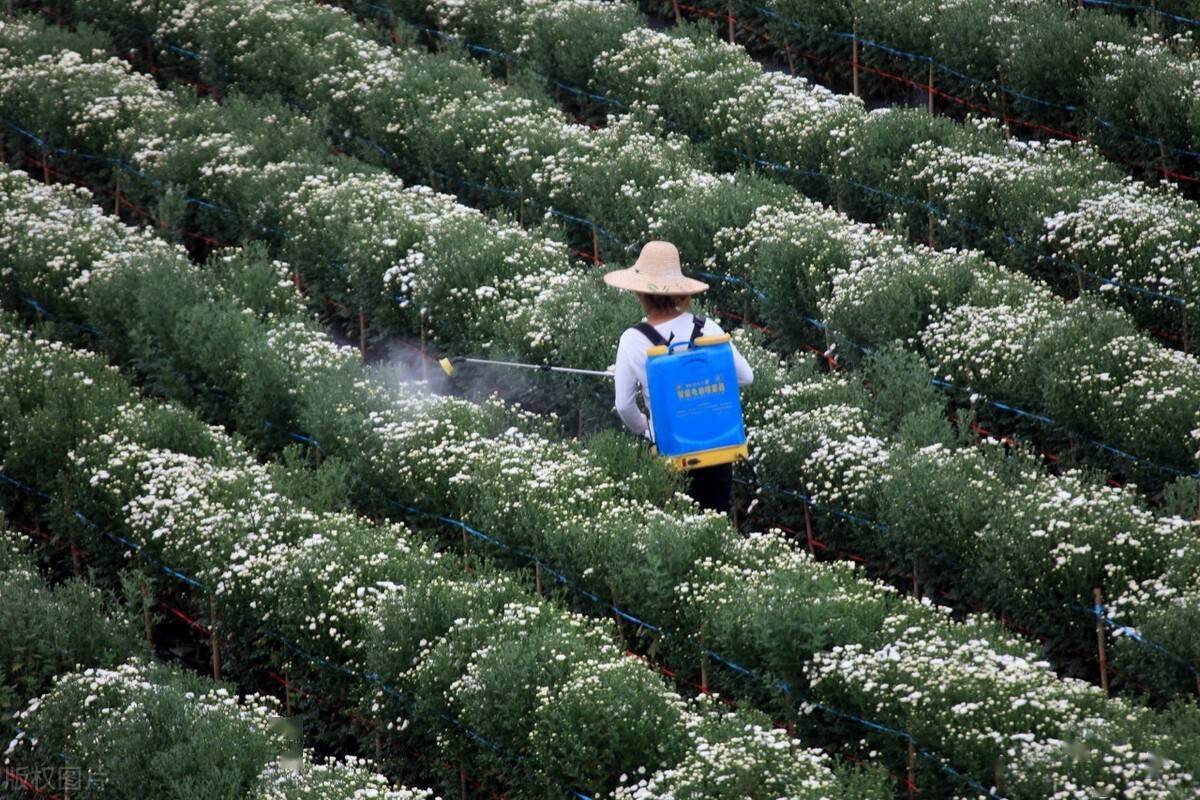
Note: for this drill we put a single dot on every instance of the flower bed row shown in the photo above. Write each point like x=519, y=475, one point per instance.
x=526, y=680
x=570, y=505
x=800, y=428
x=1165, y=17
x=1048, y=64
x=92, y=715
x=1083, y=364
x=1056, y=209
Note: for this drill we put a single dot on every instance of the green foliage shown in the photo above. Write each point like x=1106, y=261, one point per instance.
x=606, y=721
x=148, y=728
x=45, y=632
x=323, y=489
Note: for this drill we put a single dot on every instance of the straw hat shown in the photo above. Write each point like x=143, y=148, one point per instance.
x=656, y=271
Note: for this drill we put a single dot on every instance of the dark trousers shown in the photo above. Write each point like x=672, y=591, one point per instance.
x=711, y=487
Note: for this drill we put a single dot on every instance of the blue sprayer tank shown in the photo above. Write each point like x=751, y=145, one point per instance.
x=694, y=402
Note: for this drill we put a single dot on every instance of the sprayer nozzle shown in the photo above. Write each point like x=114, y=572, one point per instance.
x=447, y=367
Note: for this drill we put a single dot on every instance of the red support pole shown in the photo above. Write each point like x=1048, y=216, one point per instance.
x=362, y=335
x=854, y=60
x=930, y=89
x=215, y=639
x=808, y=530
x=1101, y=650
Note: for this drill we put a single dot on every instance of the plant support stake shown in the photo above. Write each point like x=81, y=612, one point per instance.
x=147, y=616
x=1098, y=597
x=808, y=530
x=929, y=90
x=1003, y=102
x=215, y=638
x=362, y=335
x=76, y=560
x=912, y=771
x=854, y=59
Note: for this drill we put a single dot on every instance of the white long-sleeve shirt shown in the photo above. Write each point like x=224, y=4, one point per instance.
x=631, y=367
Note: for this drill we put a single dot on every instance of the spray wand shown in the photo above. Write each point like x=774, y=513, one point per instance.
x=447, y=365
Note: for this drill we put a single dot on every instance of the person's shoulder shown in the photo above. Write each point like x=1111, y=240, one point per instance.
x=711, y=328
x=631, y=336
x=631, y=332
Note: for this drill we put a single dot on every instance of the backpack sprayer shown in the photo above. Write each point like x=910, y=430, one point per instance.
x=693, y=396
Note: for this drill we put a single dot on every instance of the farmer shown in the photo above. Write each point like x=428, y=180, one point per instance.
x=666, y=296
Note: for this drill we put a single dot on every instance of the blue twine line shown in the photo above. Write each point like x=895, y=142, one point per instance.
x=532, y=558
x=134, y=546
x=377, y=680
x=475, y=48
x=486, y=187
x=866, y=723
x=733, y=279
x=132, y=170
x=299, y=437
x=600, y=98
x=182, y=51
x=1129, y=287
x=808, y=501
x=40, y=309
x=306, y=439
x=587, y=223
x=1102, y=613
x=1052, y=423
x=479, y=48
x=961, y=222
x=862, y=521
x=1143, y=9
x=21, y=731
x=26, y=488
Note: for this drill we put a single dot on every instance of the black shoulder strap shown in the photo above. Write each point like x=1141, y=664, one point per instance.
x=656, y=338
x=651, y=333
